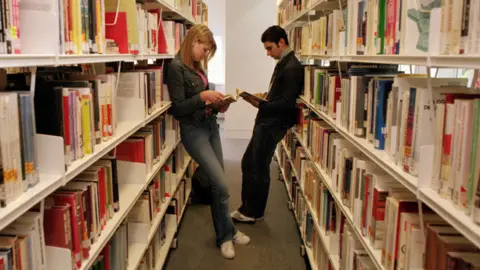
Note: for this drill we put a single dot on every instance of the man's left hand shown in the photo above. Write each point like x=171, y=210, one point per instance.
x=223, y=108
x=255, y=103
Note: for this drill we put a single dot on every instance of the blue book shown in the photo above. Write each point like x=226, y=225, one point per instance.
x=384, y=86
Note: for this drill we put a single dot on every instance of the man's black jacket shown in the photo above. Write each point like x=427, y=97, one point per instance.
x=287, y=85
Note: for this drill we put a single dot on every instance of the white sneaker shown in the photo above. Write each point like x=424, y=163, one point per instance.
x=227, y=249
x=241, y=238
x=237, y=216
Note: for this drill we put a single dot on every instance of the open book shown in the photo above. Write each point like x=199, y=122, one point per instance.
x=227, y=99
x=245, y=94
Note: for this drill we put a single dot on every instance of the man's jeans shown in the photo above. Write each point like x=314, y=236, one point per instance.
x=202, y=142
x=256, y=167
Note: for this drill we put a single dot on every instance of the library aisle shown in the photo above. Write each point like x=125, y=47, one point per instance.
x=275, y=240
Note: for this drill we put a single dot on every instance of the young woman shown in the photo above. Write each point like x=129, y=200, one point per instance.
x=187, y=85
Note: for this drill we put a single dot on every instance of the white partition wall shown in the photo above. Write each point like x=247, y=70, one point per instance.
x=216, y=23
x=247, y=64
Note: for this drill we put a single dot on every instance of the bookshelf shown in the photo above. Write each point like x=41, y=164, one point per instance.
x=38, y=60
x=102, y=163
x=331, y=30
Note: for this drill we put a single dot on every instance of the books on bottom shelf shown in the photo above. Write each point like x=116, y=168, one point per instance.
x=174, y=208
x=80, y=218
x=312, y=237
x=375, y=206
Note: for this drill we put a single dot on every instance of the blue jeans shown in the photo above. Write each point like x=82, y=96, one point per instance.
x=202, y=142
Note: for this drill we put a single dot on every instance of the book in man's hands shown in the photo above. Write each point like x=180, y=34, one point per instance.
x=245, y=94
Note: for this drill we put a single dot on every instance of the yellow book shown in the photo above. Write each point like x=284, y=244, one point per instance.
x=86, y=125
x=100, y=37
x=77, y=26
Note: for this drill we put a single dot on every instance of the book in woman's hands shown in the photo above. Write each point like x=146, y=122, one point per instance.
x=227, y=99
x=245, y=94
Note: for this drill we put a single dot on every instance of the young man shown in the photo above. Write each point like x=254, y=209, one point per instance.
x=274, y=117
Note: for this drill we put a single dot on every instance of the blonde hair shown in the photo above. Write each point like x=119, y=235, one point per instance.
x=202, y=34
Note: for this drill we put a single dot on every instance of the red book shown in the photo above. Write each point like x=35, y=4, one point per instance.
x=132, y=150
x=67, y=13
x=160, y=34
x=70, y=198
x=102, y=190
x=66, y=123
x=57, y=227
x=117, y=30
x=338, y=94
x=194, y=8
x=106, y=257
x=390, y=30
x=80, y=202
x=366, y=199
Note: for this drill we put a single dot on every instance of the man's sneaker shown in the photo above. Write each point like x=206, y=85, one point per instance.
x=241, y=238
x=227, y=249
x=237, y=216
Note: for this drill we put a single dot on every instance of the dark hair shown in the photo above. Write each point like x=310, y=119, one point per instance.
x=274, y=34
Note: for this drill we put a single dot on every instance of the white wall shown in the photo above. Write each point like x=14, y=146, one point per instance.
x=216, y=23
x=247, y=65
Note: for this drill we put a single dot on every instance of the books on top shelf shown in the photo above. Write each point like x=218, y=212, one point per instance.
x=82, y=27
x=384, y=27
x=200, y=12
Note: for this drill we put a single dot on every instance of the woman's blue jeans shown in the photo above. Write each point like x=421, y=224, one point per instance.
x=202, y=142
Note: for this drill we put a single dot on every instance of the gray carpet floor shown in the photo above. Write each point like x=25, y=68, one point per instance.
x=275, y=240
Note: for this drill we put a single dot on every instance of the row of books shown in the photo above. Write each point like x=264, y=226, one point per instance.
x=147, y=145
x=319, y=37
x=85, y=114
x=151, y=259
x=18, y=162
x=188, y=7
x=335, y=240
x=289, y=9
x=393, y=113
x=379, y=207
x=163, y=186
x=85, y=27
x=201, y=13
x=393, y=27
x=76, y=215
x=115, y=253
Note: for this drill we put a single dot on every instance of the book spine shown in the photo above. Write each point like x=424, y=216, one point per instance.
x=409, y=130
x=473, y=157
